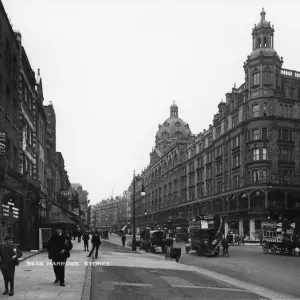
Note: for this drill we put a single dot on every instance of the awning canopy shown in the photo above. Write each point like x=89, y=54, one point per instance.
x=63, y=220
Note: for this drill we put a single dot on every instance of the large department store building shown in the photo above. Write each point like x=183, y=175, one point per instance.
x=245, y=166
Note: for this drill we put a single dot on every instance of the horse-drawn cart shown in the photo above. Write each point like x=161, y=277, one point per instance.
x=276, y=239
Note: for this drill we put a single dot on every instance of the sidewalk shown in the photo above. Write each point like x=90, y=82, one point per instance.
x=34, y=278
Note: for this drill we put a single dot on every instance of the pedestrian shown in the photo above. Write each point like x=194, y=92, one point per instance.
x=59, y=247
x=9, y=255
x=96, y=244
x=123, y=239
x=79, y=236
x=85, y=239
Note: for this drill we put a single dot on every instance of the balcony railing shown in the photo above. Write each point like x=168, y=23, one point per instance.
x=290, y=73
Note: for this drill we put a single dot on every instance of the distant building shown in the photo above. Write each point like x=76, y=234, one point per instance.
x=83, y=201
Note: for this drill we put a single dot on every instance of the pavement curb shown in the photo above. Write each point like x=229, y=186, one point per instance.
x=86, y=292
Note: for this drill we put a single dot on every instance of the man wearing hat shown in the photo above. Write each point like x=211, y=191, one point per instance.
x=59, y=247
x=9, y=255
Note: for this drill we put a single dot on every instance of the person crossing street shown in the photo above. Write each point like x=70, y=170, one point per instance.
x=96, y=244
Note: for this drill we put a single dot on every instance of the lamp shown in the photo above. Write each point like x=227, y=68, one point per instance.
x=145, y=214
x=244, y=196
x=135, y=178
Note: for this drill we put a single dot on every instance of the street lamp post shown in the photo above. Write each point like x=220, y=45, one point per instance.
x=135, y=178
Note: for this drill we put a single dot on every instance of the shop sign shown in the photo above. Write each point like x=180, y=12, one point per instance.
x=270, y=239
x=3, y=144
x=65, y=194
x=268, y=224
x=204, y=224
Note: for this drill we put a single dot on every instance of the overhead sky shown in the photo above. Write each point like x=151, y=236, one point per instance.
x=113, y=68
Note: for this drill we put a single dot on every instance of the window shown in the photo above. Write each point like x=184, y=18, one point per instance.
x=280, y=112
x=255, y=134
x=265, y=108
x=255, y=110
x=236, y=141
x=285, y=110
x=267, y=77
x=236, y=160
x=285, y=154
x=264, y=176
x=264, y=153
x=235, y=119
x=236, y=180
x=219, y=168
x=255, y=176
x=285, y=134
x=264, y=133
x=219, y=186
x=255, y=155
x=290, y=111
x=256, y=79
x=219, y=151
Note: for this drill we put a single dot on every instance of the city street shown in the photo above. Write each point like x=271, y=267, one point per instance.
x=249, y=264
x=145, y=276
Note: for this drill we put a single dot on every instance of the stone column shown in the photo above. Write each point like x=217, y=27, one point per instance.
x=241, y=227
x=226, y=228
x=252, y=230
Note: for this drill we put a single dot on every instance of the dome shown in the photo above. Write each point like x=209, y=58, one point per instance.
x=263, y=51
x=263, y=22
x=174, y=104
x=173, y=127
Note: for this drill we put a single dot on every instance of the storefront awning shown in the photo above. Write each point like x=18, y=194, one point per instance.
x=64, y=220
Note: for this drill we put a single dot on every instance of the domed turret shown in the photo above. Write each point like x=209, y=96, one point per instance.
x=263, y=38
x=263, y=65
x=171, y=130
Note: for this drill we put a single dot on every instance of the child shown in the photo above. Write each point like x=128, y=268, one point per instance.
x=9, y=255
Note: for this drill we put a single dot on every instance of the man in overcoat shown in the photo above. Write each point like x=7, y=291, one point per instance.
x=96, y=244
x=59, y=247
x=9, y=255
x=85, y=239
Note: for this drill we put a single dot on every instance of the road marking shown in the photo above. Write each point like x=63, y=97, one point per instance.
x=253, y=288
x=174, y=280
x=161, y=263
x=131, y=284
x=209, y=288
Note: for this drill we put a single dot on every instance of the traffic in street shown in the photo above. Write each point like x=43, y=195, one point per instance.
x=136, y=275
x=247, y=263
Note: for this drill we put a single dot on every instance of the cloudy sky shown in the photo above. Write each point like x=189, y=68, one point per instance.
x=113, y=68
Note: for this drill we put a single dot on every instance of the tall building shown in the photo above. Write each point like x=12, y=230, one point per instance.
x=246, y=165
x=50, y=150
x=41, y=126
x=10, y=131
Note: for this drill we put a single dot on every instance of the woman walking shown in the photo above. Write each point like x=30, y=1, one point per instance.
x=9, y=255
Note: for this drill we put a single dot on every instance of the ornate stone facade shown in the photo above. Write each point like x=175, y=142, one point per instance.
x=246, y=165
